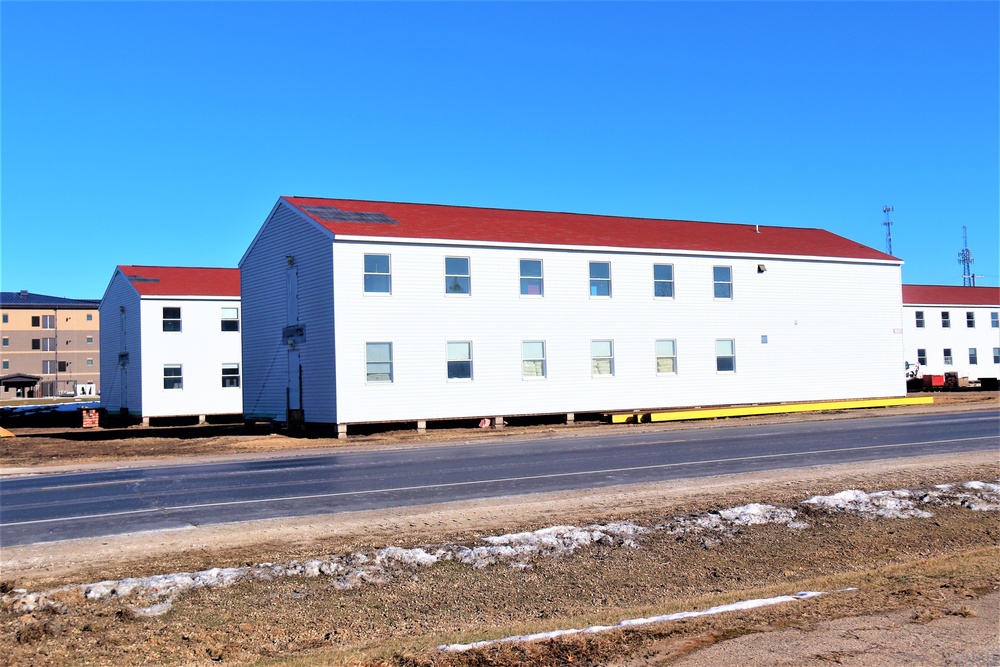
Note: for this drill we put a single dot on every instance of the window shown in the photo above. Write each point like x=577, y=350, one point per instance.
x=947, y=356
x=945, y=319
x=48, y=367
x=995, y=320
x=973, y=356
x=666, y=357
x=457, y=279
x=6, y=341
x=533, y=359
x=378, y=358
x=723, y=277
x=920, y=319
x=90, y=339
x=90, y=317
x=6, y=364
x=600, y=279
x=36, y=321
x=63, y=366
x=36, y=343
x=172, y=377
x=230, y=375
x=602, y=357
x=171, y=319
x=725, y=356
x=90, y=362
x=922, y=356
x=378, y=279
x=663, y=280
x=5, y=318
x=48, y=321
x=970, y=319
x=460, y=361
x=531, y=277
x=996, y=355
x=230, y=319
x=48, y=344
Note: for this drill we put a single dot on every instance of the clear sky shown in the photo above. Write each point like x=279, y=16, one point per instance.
x=163, y=133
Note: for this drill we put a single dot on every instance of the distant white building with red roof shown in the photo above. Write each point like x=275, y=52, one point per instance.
x=951, y=329
x=360, y=311
x=170, y=342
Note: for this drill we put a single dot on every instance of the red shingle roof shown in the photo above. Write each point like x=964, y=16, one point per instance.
x=183, y=280
x=431, y=221
x=947, y=295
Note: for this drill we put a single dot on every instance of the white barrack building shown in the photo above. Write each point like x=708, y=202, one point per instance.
x=170, y=342
x=358, y=311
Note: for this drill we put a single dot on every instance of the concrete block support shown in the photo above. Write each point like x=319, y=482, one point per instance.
x=421, y=426
x=341, y=431
x=201, y=419
x=570, y=417
x=498, y=422
x=145, y=421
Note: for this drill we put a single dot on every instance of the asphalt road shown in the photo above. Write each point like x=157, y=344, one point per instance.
x=47, y=508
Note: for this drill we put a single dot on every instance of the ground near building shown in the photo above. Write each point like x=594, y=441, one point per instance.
x=927, y=588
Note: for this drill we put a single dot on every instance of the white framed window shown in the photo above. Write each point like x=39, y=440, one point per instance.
x=666, y=357
x=532, y=283
x=725, y=355
x=90, y=362
x=171, y=319
x=90, y=317
x=533, y=359
x=663, y=281
x=230, y=319
x=722, y=278
x=973, y=356
x=460, y=360
x=378, y=362
x=48, y=344
x=48, y=321
x=945, y=319
x=457, y=278
x=995, y=320
x=947, y=356
x=602, y=357
x=970, y=319
x=922, y=356
x=600, y=279
x=919, y=318
x=173, y=376
x=230, y=376
x=996, y=355
x=48, y=366
x=90, y=340
x=378, y=274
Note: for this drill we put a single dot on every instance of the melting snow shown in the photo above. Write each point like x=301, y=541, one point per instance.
x=515, y=549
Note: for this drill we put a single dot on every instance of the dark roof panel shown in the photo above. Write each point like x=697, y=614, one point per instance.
x=25, y=299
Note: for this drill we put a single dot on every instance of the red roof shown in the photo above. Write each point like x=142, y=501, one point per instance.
x=432, y=221
x=948, y=295
x=182, y=280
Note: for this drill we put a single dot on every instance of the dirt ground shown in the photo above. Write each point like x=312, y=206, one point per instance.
x=927, y=588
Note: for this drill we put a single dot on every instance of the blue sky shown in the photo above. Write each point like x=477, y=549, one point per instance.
x=163, y=133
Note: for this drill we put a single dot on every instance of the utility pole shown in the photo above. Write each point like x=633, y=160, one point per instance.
x=888, y=228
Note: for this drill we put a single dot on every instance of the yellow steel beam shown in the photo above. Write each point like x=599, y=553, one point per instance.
x=772, y=409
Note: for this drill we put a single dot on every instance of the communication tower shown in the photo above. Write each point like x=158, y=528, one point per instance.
x=965, y=259
x=888, y=228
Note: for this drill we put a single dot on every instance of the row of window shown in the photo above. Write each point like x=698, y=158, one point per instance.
x=949, y=361
x=173, y=376
x=379, y=359
x=458, y=278
x=230, y=319
x=49, y=366
x=44, y=344
x=970, y=319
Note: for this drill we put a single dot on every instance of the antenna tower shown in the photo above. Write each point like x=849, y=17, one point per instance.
x=965, y=259
x=888, y=228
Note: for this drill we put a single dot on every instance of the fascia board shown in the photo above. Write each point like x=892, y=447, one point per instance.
x=114, y=276
x=396, y=240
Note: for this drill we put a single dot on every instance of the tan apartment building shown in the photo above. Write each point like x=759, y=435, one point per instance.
x=51, y=346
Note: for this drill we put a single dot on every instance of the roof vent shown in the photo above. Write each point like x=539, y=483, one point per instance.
x=142, y=279
x=24, y=294
x=334, y=214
